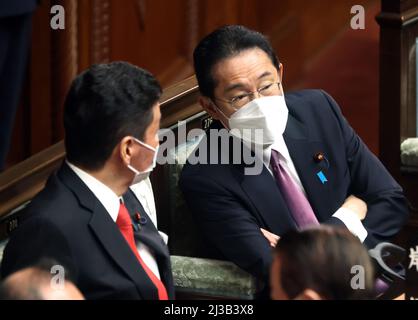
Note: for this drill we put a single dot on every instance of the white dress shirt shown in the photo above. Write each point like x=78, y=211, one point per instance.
x=111, y=202
x=145, y=194
x=348, y=217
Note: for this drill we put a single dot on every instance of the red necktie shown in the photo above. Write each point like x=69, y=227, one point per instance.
x=125, y=226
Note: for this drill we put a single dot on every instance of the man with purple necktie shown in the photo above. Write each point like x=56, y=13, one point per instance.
x=315, y=168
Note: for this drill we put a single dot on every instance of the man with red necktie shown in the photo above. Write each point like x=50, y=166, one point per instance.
x=87, y=217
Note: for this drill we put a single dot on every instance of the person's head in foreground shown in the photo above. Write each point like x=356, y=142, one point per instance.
x=322, y=263
x=39, y=282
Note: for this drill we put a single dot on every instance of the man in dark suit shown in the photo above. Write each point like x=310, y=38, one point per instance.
x=314, y=168
x=15, y=32
x=86, y=217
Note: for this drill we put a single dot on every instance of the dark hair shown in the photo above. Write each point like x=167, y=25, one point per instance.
x=223, y=43
x=104, y=104
x=321, y=259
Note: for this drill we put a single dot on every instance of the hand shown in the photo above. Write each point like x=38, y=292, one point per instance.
x=271, y=237
x=358, y=206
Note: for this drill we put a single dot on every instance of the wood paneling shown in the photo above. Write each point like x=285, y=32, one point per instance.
x=160, y=36
x=64, y=64
x=159, y=41
x=19, y=184
x=38, y=104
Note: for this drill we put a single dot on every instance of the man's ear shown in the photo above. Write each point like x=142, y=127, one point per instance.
x=126, y=150
x=209, y=107
x=308, y=294
x=281, y=67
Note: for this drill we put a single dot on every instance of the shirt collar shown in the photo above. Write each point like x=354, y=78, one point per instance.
x=106, y=196
x=280, y=146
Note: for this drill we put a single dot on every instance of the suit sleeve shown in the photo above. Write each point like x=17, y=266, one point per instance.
x=370, y=181
x=34, y=240
x=227, y=224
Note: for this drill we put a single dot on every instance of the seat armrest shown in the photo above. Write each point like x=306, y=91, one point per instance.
x=211, y=279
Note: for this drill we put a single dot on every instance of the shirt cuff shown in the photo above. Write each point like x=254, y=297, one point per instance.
x=352, y=222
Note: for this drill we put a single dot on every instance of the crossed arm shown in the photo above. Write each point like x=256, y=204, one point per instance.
x=357, y=206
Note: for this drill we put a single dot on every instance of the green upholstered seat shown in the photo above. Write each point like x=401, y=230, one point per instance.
x=192, y=274
x=211, y=278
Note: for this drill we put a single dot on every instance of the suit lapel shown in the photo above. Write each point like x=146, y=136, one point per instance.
x=114, y=243
x=109, y=235
x=260, y=189
x=266, y=197
x=302, y=151
x=145, y=231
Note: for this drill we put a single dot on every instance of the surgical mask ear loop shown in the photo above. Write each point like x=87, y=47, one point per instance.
x=147, y=146
x=281, y=88
x=219, y=109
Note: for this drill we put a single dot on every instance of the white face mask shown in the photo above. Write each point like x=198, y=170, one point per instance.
x=267, y=113
x=140, y=176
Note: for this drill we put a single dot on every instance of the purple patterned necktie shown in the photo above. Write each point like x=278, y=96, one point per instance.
x=296, y=201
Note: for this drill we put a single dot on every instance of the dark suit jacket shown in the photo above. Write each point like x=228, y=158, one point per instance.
x=66, y=222
x=10, y=8
x=230, y=207
x=15, y=35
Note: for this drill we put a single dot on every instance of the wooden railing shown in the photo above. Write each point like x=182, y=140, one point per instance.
x=22, y=182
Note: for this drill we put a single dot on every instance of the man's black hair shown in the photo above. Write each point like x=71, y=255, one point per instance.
x=104, y=104
x=223, y=43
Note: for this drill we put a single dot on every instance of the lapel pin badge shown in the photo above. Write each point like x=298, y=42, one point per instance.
x=319, y=158
x=322, y=177
x=140, y=220
x=137, y=225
